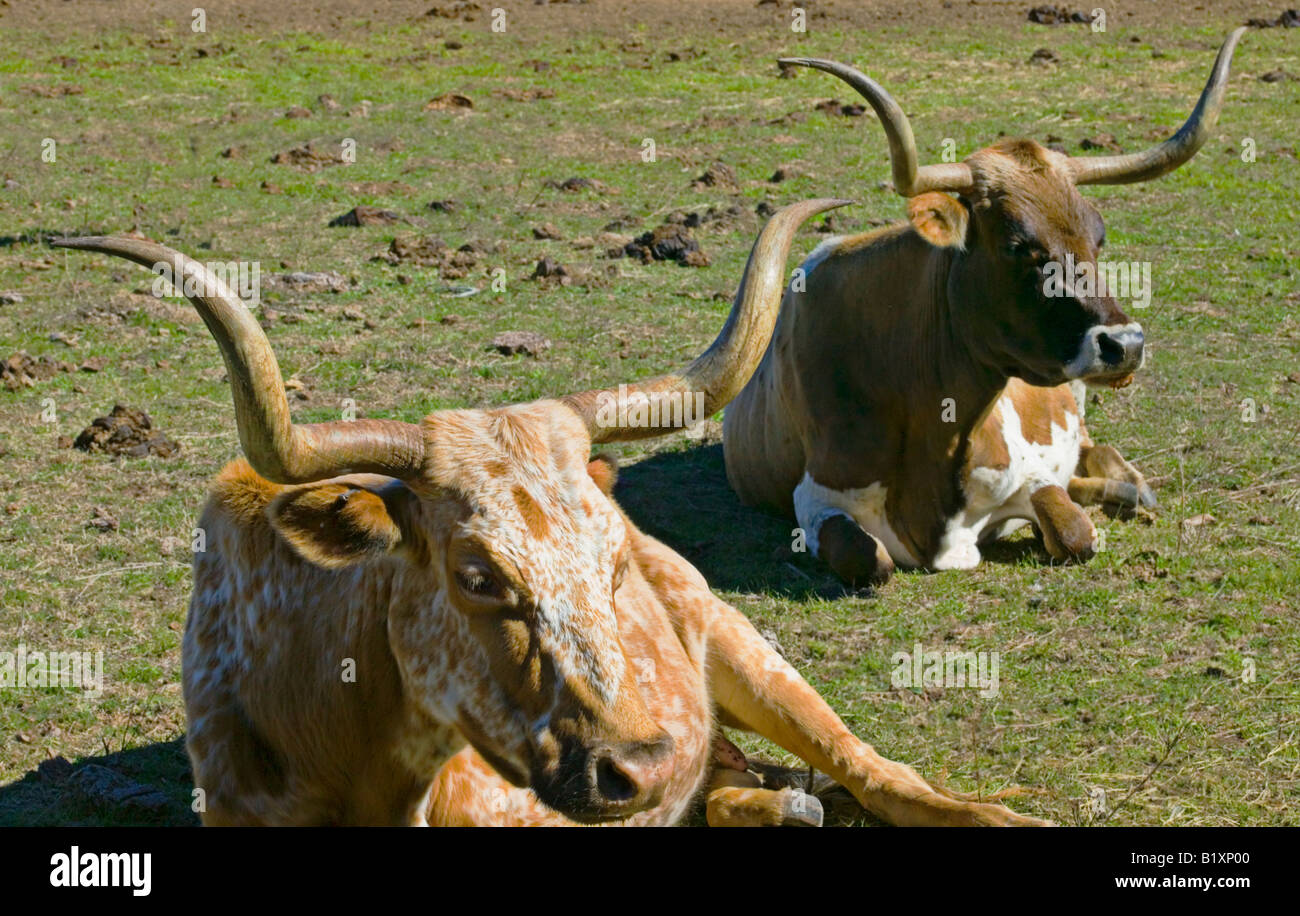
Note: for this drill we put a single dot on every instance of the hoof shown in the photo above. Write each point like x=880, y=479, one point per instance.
x=855, y=556
x=802, y=810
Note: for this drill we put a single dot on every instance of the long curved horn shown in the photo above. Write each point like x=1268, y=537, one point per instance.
x=723, y=369
x=1172, y=153
x=277, y=449
x=909, y=180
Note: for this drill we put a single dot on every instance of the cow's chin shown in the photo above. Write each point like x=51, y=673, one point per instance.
x=1041, y=376
x=507, y=770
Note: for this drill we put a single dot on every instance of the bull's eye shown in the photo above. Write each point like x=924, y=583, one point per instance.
x=479, y=581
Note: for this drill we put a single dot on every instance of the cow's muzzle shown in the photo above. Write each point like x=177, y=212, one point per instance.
x=609, y=781
x=1108, y=352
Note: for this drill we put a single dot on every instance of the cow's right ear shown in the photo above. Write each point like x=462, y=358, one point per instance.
x=335, y=523
x=939, y=218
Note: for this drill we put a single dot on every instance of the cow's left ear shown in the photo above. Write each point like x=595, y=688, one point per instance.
x=603, y=469
x=939, y=218
x=336, y=523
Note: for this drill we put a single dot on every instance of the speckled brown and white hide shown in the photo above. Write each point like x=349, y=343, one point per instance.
x=269, y=633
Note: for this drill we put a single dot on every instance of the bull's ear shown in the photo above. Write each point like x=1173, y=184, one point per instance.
x=939, y=218
x=603, y=469
x=336, y=523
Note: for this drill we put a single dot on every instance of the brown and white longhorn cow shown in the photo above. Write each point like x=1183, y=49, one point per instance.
x=924, y=392
x=452, y=622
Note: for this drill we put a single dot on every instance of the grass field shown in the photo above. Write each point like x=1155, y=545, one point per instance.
x=1128, y=676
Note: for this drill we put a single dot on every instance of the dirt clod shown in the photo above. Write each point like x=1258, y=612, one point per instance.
x=575, y=184
x=549, y=267
x=513, y=343
x=125, y=431
x=449, y=101
x=1290, y=19
x=23, y=370
x=299, y=281
x=717, y=175
x=100, y=520
x=1053, y=14
x=669, y=242
x=307, y=157
x=363, y=215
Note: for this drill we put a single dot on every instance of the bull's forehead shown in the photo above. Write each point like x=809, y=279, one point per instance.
x=1030, y=189
x=522, y=473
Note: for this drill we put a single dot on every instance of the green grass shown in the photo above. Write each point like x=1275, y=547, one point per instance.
x=1122, y=675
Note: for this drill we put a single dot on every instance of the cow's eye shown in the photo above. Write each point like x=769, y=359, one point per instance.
x=479, y=581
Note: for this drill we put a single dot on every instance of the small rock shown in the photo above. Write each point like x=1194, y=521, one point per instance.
x=547, y=231
x=10, y=298
x=298, y=111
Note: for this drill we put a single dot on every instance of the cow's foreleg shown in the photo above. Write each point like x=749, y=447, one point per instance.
x=753, y=685
x=738, y=799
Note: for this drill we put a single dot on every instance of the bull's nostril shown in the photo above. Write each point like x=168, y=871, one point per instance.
x=1110, y=350
x=612, y=783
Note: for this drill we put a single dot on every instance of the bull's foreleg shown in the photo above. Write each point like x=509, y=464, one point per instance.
x=753, y=685
x=858, y=558
x=1106, y=479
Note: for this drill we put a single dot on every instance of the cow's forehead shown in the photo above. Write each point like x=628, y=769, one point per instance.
x=522, y=472
x=1031, y=187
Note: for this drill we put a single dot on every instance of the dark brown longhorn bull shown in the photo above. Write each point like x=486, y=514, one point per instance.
x=922, y=393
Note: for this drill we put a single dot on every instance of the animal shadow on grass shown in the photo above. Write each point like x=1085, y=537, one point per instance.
x=146, y=786
x=683, y=499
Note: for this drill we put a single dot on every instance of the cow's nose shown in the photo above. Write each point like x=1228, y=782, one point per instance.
x=631, y=776
x=1121, y=348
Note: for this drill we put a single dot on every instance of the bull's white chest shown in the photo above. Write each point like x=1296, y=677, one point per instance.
x=997, y=499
